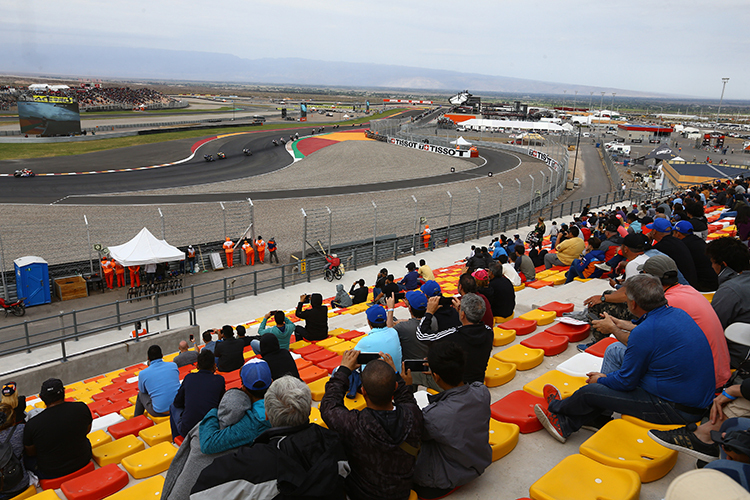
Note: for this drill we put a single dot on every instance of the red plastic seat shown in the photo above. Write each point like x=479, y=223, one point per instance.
x=302, y=363
x=558, y=307
x=132, y=426
x=135, y=368
x=518, y=408
x=98, y=406
x=101, y=396
x=351, y=334
x=560, y=268
x=113, y=408
x=521, y=326
x=97, y=484
x=601, y=346
x=537, y=284
x=319, y=356
x=122, y=396
x=178, y=440
x=230, y=377
x=53, y=484
x=330, y=364
x=308, y=349
x=574, y=333
x=552, y=345
x=312, y=373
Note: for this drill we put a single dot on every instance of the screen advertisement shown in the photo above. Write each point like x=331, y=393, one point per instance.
x=49, y=115
x=303, y=112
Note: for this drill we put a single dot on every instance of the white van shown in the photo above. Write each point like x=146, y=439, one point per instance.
x=617, y=148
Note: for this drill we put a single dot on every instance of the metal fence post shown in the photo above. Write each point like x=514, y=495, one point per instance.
x=225, y=290
x=75, y=324
x=374, y=232
x=255, y=281
x=88, y=237
x=518, y=204
x=500, y=210
x=2, y=268
x=479, y=202
x=531, y=200
x=224, y=216
x=330, y=229
x=161, y=215
x=304, y=237
x=282, y=277
x=192, y=295
x=549, y=194
x=252, y=218
x=450, y=213
x=416, y=226
x=117, y=309
x=26, y=334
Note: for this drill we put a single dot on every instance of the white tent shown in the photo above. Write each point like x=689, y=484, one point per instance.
x=461, y=142
x=145, y=249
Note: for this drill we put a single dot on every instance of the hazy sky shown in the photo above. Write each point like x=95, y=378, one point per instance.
x=666, y=46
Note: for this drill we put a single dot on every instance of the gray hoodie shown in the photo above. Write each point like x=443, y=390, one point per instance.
x=342, y=298
x=189, y=460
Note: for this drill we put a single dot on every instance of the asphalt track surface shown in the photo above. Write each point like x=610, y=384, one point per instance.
x=92, y=189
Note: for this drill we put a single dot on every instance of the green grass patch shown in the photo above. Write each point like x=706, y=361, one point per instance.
x=11, y=151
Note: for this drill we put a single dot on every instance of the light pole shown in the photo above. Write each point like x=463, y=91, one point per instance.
x=591, y=96
x=575, y=100
x=613, y=101
x=723, y=86
x=563, y=106
x=601, y=109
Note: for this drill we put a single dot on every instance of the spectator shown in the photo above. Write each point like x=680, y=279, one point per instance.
x=18, y=403
x=316, y=318
x=706, y=279
x=295, y=455
x=382, y=441
x=468, y=284
x=242, y=335
x=157, y=385
x=359, y=294
x=667, y=374
x=390, y=289
x=661, y=232
x=256, y=378
x=56, y=437
x=445, y=315
x=503, y=297
x=207, y=342
x=425, y=272
x=185, y=357
x=379, y=284
x=283, y=330
x=280, y=362
x=509, y=271
x=473, y=336
x=567, y=250
x=411, y=348
x=380, y=338
x=523, y=264
x=456, y=424
x=411, y=280
x=17, y=478
x=585, y=267
x=229, y=351
x=198, y=393
x=342, y=299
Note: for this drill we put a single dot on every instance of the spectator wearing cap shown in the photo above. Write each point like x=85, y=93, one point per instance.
x=474, y=337
x=56, y=437
x=157, y=385
x=482, y=281
x=198, y=393
x=661, y=233
x=411, y=347
x=568, y=250
x=256, y=378
x=381, y=337
x=503, y=297
x=682, y=297
x=411, y=280
x=11, y=398
x=445, y=315
x=707, y=280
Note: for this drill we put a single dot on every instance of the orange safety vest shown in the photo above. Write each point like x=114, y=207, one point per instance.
x=248, y=248
x=228, y=246
x=107, y=267
x=119, y=269
x=191, y=253
x=261, y=245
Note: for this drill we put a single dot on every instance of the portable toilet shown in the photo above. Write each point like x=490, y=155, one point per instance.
x=32, y=280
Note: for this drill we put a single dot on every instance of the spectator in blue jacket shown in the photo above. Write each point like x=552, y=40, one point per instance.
x=411, y=280
x=583, y=267
x=199, y=392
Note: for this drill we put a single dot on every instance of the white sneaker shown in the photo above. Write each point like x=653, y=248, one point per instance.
x=604, y=267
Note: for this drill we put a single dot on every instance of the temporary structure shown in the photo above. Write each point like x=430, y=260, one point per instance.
x=145, y=248
x=461, y=142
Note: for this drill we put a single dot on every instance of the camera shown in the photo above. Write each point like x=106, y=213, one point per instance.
x=307, y=299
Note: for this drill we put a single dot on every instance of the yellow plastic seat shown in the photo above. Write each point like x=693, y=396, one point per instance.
x=150, y=489
x=577, y=477
x=246, y=355
x=582, y=280
x=503, y=438
x=521, y=356
x=330, y=342
x=129, y=412
x=358, y=403
x=315, y=417
x=337, y=331
x=44, y=495
x=156, y=434
x=27, y=493
x=151, y=461
x=541, y=317
x=500, y=319
x=498, y=373
x=413, y=495
x=503, y=336
x=318, y=388
x=298, y=345
x=132, y=400
x=623, y=444
x=543, y=274
x=40, y=404
x=556, y=279
x=170, y=356
x=519, y=287
x=157, y=420
x=98, y=438
x=709, y=296
x=649, y=425
x=342, y=347
x=566, y=384
x=114, y=452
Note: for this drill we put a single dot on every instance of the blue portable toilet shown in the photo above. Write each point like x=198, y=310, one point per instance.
x=32, y=280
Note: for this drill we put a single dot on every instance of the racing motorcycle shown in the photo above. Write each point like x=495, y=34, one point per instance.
x=208, y=157
x=221, y=155
x=247, y=152
x=282, y=141
x=24, y=172
x=274, y=142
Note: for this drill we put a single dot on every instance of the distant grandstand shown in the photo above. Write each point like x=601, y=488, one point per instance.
x=94, y=98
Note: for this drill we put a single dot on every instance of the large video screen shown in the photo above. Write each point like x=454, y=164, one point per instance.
x=49, y=115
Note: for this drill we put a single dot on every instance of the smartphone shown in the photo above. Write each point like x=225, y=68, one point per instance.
x=366, y=357
x=307, y=299
x=416, y=365
x=192, y=338
x=446, y=301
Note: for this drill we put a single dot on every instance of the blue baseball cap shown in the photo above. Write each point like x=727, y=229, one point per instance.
x=431, y=288
x=376, y=314
x=684, y=227
x=416, y=299
x=661, y=224
x=256, y=375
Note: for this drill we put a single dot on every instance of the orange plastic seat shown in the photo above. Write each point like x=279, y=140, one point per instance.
x=312, y=373
x=132, y=426
x=358, y=403
x=503, y=438
x=537, y=284
x=178, y=440
x=302, y=363
x=600, y=347
x=503, y=336
x=521, y=356
x=557, y=307
x=319, y=356
x=577, y=477
x=518, y=408
x=53, y=484
x=351, y=335
x=96, y=484
x=575, y=333
x=552, y=345
x=623, y=444
x=565, y=383
x=521, y=326
x=308, y=349
x=498, y=373
x=330, y=364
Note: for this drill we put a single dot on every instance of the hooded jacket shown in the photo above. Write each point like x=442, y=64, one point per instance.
x=475, y=339
x=303, y=462
x=342, y=298
x=279, y=360
x=382, y=446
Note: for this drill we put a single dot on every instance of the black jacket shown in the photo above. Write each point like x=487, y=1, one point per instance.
x=359, y=294
x=316, y=321
x=707, y=280
x=306, y=462
x=503, y=298
x=279, y=360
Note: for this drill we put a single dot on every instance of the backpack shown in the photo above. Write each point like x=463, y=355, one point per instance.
x=11, y=471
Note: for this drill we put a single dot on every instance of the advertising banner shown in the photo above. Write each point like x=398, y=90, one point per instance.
x=49, y=116
x=544, y=157
x=404, y=101
x=455, y=153
x=303, y=112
